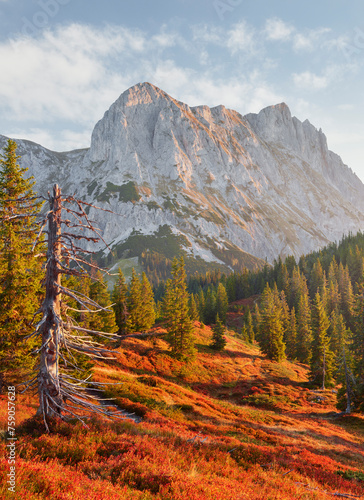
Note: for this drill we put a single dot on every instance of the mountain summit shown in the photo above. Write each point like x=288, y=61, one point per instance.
x=223, y=187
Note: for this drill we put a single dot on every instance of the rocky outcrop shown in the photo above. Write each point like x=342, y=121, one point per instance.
x=265, y=183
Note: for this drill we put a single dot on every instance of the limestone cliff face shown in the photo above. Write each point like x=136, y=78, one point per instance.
x=263, y=183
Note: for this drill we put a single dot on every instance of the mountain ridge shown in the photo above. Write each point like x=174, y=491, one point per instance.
x=263, y=184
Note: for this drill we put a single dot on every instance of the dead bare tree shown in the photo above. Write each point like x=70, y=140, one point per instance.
x=59, y=393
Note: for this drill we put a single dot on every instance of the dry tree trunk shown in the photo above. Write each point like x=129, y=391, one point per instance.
x=48, y=377
x=59, y=393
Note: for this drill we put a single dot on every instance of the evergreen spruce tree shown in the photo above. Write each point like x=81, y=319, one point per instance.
x=283, y=280
x=244, y=287
x=244, y=333
x=134, y=303
x=271, y=332
x=347, y=397
x=303, y=351
x=257, y=319
x=194, y=314
x=20, y=269
x=322, y=356
x=355, y=264
x=318, y=282
x=119, y=298
x=147, y=305
x=222, y=302
x=158, y=310
x=333, y=297
x=290, y=263
x=333, y=272
x=102, y=321
x=298, y=287
x=346, y=294
x=249, y=327
x=210, y=306
x=358, y=345
x=291, y=335
x=231, y=287
x=358, y=338
x=176, y=312
x=285, y=314
x=340, y=343
x=339, y=334
x=218, y=339
x=201, y=305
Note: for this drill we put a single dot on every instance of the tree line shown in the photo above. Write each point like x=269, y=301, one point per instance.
x=25, y=275
x=310, y=311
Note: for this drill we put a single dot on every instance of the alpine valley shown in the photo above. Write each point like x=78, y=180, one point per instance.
x=226, y=190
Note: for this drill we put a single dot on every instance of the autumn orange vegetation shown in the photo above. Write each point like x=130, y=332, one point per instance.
x=230, y=425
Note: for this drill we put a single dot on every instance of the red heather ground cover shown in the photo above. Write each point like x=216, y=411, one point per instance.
x=231, y=425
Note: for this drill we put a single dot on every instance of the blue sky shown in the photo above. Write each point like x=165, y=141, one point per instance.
x=64, y=62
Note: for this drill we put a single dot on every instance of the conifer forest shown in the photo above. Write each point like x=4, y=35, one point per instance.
x=173, y=382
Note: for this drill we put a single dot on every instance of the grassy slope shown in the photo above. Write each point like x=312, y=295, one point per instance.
x=232, y=425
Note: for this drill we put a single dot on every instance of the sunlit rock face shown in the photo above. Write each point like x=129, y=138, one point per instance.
x=262, y=183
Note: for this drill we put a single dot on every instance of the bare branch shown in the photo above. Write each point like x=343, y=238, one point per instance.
x=59, y=394
x=17, y=216
x=76, y=296
x=93, y=206
x=41, y=230
x=29, y=383
x=24, y=198
x=106, y=335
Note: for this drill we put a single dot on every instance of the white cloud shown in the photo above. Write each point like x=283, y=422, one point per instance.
x=278, y=30
x=246, y=95
x=332, y=76
x=241, y=38
x=68, y=76
x=207, y=34
x=165, y=40
x=310, y=81
x=310, y=40
x=72, y=74
x=338, y=43
x=66, y=140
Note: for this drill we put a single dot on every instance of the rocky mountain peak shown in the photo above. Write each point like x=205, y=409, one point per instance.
x=209, y=181
x=276, y=125
x=132, y=117
x=142, y=93
x=279, y=112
